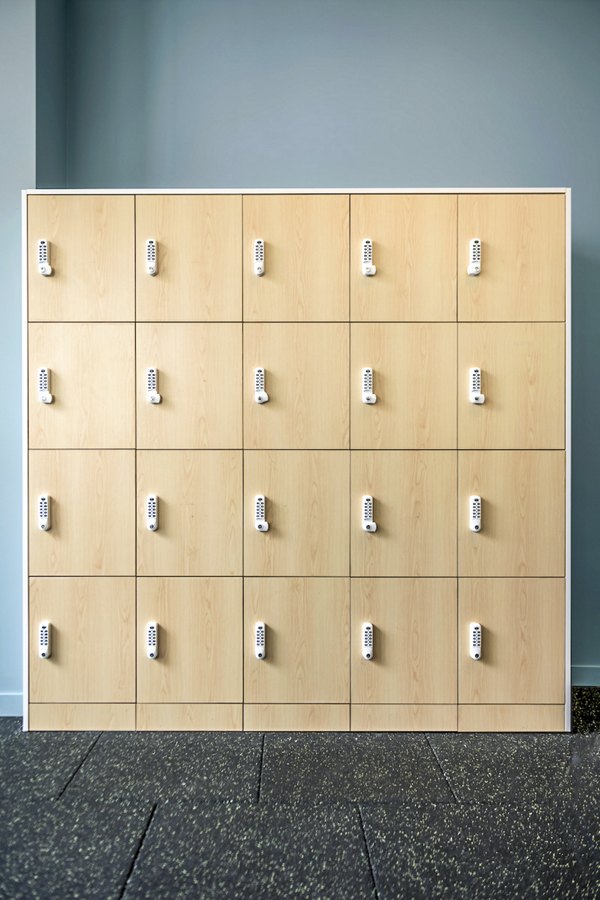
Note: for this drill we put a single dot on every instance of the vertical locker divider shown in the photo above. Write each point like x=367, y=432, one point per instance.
x=349, y=582
x=458, y=635
x=243, y=584
x=135, y=481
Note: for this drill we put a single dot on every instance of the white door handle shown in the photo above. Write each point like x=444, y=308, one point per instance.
x=475, y=640
x=44, y=395
x=45, y=640
x=44, y=267
x=260, y=394
x=368, y=396
x=259, y=257
x=152, y=640
x=475, y=395
x=367, y=640
x=474, y=264
x=152, y=394
x=368, y=524
x=45, y=512
x=151, y=257
x=260, y=640
x=475, y=512
x=367, y=266
x=260, y=513
x=152, y=512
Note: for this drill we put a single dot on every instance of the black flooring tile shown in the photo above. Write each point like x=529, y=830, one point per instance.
x=502, y=768
x=357, y=767
x=585, y=709
x=61, y=849
x=583, y=777
x=528, y=850
x=221, y=850
x=154, y=766
x=10, y=725
x=39, y=765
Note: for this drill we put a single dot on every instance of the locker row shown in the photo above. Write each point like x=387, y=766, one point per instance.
x=475, y=257
x=194, y=640
x=297, y=386
x=297, y=513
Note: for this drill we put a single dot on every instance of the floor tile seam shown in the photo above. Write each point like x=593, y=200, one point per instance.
x=78, y=768
x=368, y=850
x=442, y=770
x=138, y=850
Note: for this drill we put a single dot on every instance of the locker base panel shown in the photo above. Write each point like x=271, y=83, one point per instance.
x=82, y=717
x=500, y=717
x=296, y=717
x=403, y=717
x=189, y=716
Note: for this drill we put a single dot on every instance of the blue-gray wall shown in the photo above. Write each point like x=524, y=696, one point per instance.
x=338, y=93
x=17, y=171
x=51, y=93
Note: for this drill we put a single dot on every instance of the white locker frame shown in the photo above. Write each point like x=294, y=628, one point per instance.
x=258, y=191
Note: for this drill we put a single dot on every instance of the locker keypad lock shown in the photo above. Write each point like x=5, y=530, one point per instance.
x=260, y=640
x=45, y=512
x=367, y=640
x=367, y=267
x=367, y=515
x=260, y=513
x=475, y=640
x=474, y=264
x=43, y=258
x=45, y=640
x=367, y=394
x=151, y=257
x=152, y=640
x=475, y=513
x=44, y=394
x=475, y=394
x=152, y=394
x=152, y=512
x=259, y=257
x=260, y=394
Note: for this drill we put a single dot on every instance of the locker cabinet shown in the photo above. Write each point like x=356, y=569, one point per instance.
x=306, y=382
x=305, y=239
x=414, y=253
x=92, y=656
x=198, y=374
x=91, y=382
x=90, y=254
x=414, y=386
x=198, y=258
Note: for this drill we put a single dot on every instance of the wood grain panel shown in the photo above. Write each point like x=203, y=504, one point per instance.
x=82, y=717
x=523, y=513
x=414, y=250
x=414, y=508
x=307, y=383
x=307, y=640
x=91, y=253
x=199, y=380
x=511, y=718
x=406, y=717
x=199, y=250
x=296, y=717
x=415, y=383
x=199, y=640
x=306, y=258
x=189, y=716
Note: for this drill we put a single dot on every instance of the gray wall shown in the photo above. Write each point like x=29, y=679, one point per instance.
x=17, y=171
x=51, y=93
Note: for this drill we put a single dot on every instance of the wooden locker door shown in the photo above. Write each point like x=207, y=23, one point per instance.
x=199, y=382
x=522, y=257
x=414, y=252
x=306, y=508
x=522, y=641
x=522, y=513
x=90, y=243
x=199, y=252
x=307, y=641
x=306, y=381
x=92, y=512
x=414, y=382
x=199, y=512
x=199, y=640
x=414, y=640
x=523, y=383
x=91, y=380
x=305, y=258
x=92, y=628
x=414, y=498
